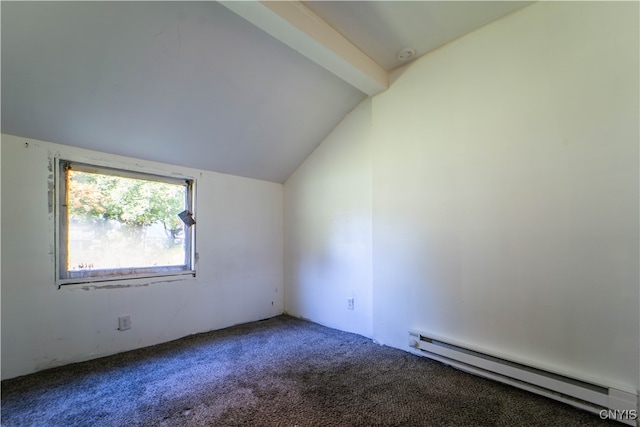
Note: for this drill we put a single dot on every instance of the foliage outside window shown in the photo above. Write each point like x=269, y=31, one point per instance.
x=116, y=224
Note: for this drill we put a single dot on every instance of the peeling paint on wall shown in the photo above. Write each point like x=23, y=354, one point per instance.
x=51, y=183
x=94, y=287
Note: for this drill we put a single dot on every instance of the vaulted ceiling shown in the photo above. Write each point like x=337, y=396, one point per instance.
x=244, y=88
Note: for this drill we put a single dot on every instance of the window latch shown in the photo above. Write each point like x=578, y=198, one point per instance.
x=187, y=218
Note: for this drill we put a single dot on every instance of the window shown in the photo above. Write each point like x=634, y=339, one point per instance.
x=116, y=224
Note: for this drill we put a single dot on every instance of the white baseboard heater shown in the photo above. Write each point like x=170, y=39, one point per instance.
x=606, y=402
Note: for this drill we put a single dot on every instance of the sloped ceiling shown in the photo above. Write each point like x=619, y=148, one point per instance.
x=191, y=83
x=184, y=83
x=381, y=28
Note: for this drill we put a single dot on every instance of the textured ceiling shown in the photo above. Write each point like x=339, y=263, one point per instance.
x=194, y=84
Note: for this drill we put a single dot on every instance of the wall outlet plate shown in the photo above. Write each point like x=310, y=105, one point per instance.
x=351, y=303
x=124, y=323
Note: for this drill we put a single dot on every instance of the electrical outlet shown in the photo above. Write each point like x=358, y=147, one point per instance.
x=124, y=323
x=350, y=303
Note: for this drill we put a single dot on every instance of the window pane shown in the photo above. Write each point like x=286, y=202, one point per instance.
x=116, y=222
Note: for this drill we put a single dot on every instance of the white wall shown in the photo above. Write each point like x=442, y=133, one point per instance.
x=239, y=242
x=506, y=192
x=328, y=229
x=505, y=195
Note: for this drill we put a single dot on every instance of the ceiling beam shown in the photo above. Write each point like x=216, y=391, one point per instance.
x=299, y=28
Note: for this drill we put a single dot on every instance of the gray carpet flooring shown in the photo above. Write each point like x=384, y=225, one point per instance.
x=278, y=372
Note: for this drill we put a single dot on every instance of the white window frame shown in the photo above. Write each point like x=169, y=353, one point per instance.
x=67, y=277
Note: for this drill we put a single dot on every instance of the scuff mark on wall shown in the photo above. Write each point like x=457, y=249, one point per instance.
x=94, y=287
x=97, y=286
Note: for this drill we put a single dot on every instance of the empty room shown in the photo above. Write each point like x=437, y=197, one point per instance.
x=320, y=213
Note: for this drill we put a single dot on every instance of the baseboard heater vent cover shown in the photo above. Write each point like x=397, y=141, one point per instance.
x=616, y=404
